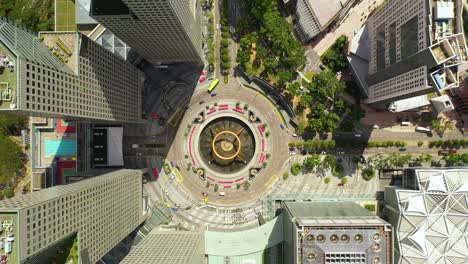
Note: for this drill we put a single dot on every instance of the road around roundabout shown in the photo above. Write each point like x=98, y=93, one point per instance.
x=277, y=146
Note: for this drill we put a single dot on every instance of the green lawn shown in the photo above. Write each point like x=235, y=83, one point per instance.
x=65, y=10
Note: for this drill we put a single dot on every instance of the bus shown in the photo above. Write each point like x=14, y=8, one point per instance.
x=213, y=85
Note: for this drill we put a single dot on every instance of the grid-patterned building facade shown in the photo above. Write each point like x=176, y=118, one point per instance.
x=169, y=248
x=168, y=31
x=93, y=84
x=408, y=49
x=101, y=211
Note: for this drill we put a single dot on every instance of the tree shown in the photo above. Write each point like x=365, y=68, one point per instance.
x=368, y=173
x=296, y=168
x=335, y=57
x=344, y=180
x=329, y=161
x=284, y=76
x=312, y=161
x=8, y=193
x=294, y=88
x=305, y=100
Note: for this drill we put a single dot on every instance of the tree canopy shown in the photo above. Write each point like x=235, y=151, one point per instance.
x=276, y=47
x=335, y=57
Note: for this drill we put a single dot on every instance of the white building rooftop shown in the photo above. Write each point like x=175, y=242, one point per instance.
x=431, y=223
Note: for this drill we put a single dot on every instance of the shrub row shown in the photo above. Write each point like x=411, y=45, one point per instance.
x=63, y=47
x=385, y=144
x=314, y=144
x=449, y=143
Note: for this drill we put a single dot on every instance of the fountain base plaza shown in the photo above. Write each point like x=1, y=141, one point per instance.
x=226, y=144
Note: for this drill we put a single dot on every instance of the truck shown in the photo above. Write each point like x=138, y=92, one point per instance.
x=422, y=129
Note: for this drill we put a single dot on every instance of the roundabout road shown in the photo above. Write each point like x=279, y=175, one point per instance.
x=277, y=146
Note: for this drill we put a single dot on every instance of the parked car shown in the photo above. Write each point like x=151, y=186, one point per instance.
x=453, y=151
x=137, y=146
x=281, y=126
x=204, y=194
x=340, y=184
x=222, y=194
x=214, y=94
x=402, y=149
x=294, y=135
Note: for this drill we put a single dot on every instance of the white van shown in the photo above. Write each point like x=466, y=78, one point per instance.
x=422, y=129
x=8, y=247
x=405, y=124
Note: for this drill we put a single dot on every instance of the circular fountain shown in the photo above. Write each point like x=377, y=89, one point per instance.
x=226, y=145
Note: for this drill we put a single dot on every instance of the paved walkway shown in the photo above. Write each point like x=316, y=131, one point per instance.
x=355, y=19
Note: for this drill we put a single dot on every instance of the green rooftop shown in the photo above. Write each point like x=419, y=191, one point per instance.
x=326, y=209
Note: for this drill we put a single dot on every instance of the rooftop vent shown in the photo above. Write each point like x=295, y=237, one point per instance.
x=321, y=238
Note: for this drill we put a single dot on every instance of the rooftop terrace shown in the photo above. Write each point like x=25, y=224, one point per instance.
x=8, y=80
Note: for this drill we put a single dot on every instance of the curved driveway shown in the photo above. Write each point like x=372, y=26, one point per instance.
x=277, y=145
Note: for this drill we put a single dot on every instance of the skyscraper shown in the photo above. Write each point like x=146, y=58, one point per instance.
x=65, y=75
x=407, y=49
x=167, y=31
x=99, y=212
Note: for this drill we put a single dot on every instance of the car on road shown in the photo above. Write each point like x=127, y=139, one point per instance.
x=443, y=152
x=204, y=194
x=156, y=173
x=281, y=126
x=172, y=164
x=8, y=247
x=214, y=94
x=402, y=149
x=202, y=102
x=294, y=135
x=422, y=129
x=222, y=194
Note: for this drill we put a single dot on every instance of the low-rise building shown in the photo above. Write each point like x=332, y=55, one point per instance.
x=429, y=214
